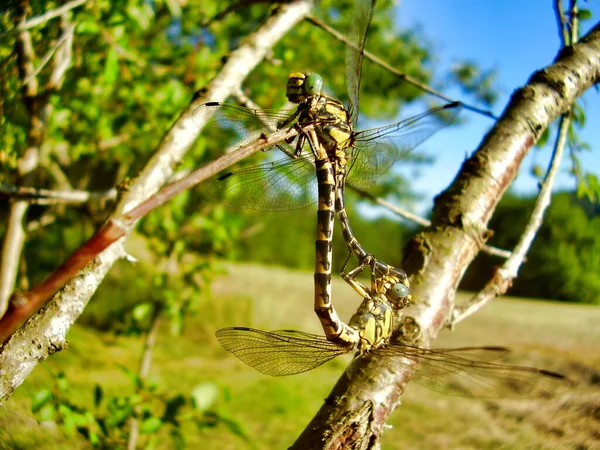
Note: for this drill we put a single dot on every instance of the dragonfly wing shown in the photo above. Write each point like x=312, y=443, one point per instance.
x=273, y=186
x=278, y=353
x=448, y=372
x=357, y=37
x=234, y=126
x=377, y=149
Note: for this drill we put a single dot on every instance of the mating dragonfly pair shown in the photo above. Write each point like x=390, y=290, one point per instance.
x=338, y=154
x=327, y=154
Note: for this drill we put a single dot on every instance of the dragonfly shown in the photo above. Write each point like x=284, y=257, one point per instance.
x=318, y=162
x=464, y=371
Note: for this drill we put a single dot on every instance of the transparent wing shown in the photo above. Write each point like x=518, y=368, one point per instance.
x=278, y=353
x=448, y=372
x=234, y=126
x=276, y=185
x=357, y=37
x=375, y=150
x=273, y=186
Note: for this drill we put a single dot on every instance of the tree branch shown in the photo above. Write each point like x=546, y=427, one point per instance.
x=438, y=256
x=503, y=277
x=48, y=196
x=48, y=329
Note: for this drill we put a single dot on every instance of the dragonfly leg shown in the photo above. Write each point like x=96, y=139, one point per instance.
x=350, y=277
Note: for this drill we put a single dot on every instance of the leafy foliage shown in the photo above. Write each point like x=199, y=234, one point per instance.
x=105, y=424
x=563, y=261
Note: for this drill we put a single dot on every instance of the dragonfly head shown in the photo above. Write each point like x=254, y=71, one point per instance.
x=301, y=86
x=395, y=287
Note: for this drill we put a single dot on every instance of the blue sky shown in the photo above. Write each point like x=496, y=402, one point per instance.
x=514, y=37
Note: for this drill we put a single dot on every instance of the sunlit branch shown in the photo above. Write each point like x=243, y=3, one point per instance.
x=381, y=63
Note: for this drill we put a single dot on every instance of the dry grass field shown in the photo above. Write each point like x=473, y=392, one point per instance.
x=273, y=411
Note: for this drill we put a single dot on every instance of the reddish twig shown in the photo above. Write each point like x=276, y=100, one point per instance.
x=18, y=357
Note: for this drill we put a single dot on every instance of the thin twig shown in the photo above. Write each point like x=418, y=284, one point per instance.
x=48, y=196
x=561, y=22
x=63, y=56
x=421, y=220
x=68, y=33
x=381, y=63
x=48, y=15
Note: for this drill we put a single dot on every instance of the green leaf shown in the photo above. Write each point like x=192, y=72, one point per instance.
x=111, y=68
x=150, y=425
x=584, y=14
x=204, y=395
x=39, y=399
x=142, y=311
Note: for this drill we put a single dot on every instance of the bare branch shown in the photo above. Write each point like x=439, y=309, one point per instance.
x=48, y=196
x=49, y=328
x=381, y=63
x=421, y=220
x=505, y=275
x=48, y=15
x=67, y=35
x=62, y=58
x=561, y=22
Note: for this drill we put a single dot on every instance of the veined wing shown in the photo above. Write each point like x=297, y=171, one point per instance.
x=234, y=126
x=276, y=185
x=448, y=372
x=375, y=150
x=357, y=37
x=283, y=184
x=278, y=353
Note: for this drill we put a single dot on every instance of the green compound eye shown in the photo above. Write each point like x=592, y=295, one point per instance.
x=313, y=84
x=399, y=290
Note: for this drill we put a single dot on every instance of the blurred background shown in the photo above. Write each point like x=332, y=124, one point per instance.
x=201, y=266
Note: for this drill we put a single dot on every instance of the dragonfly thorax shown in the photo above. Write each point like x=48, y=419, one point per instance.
x=332, y=121
x=373, y=320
